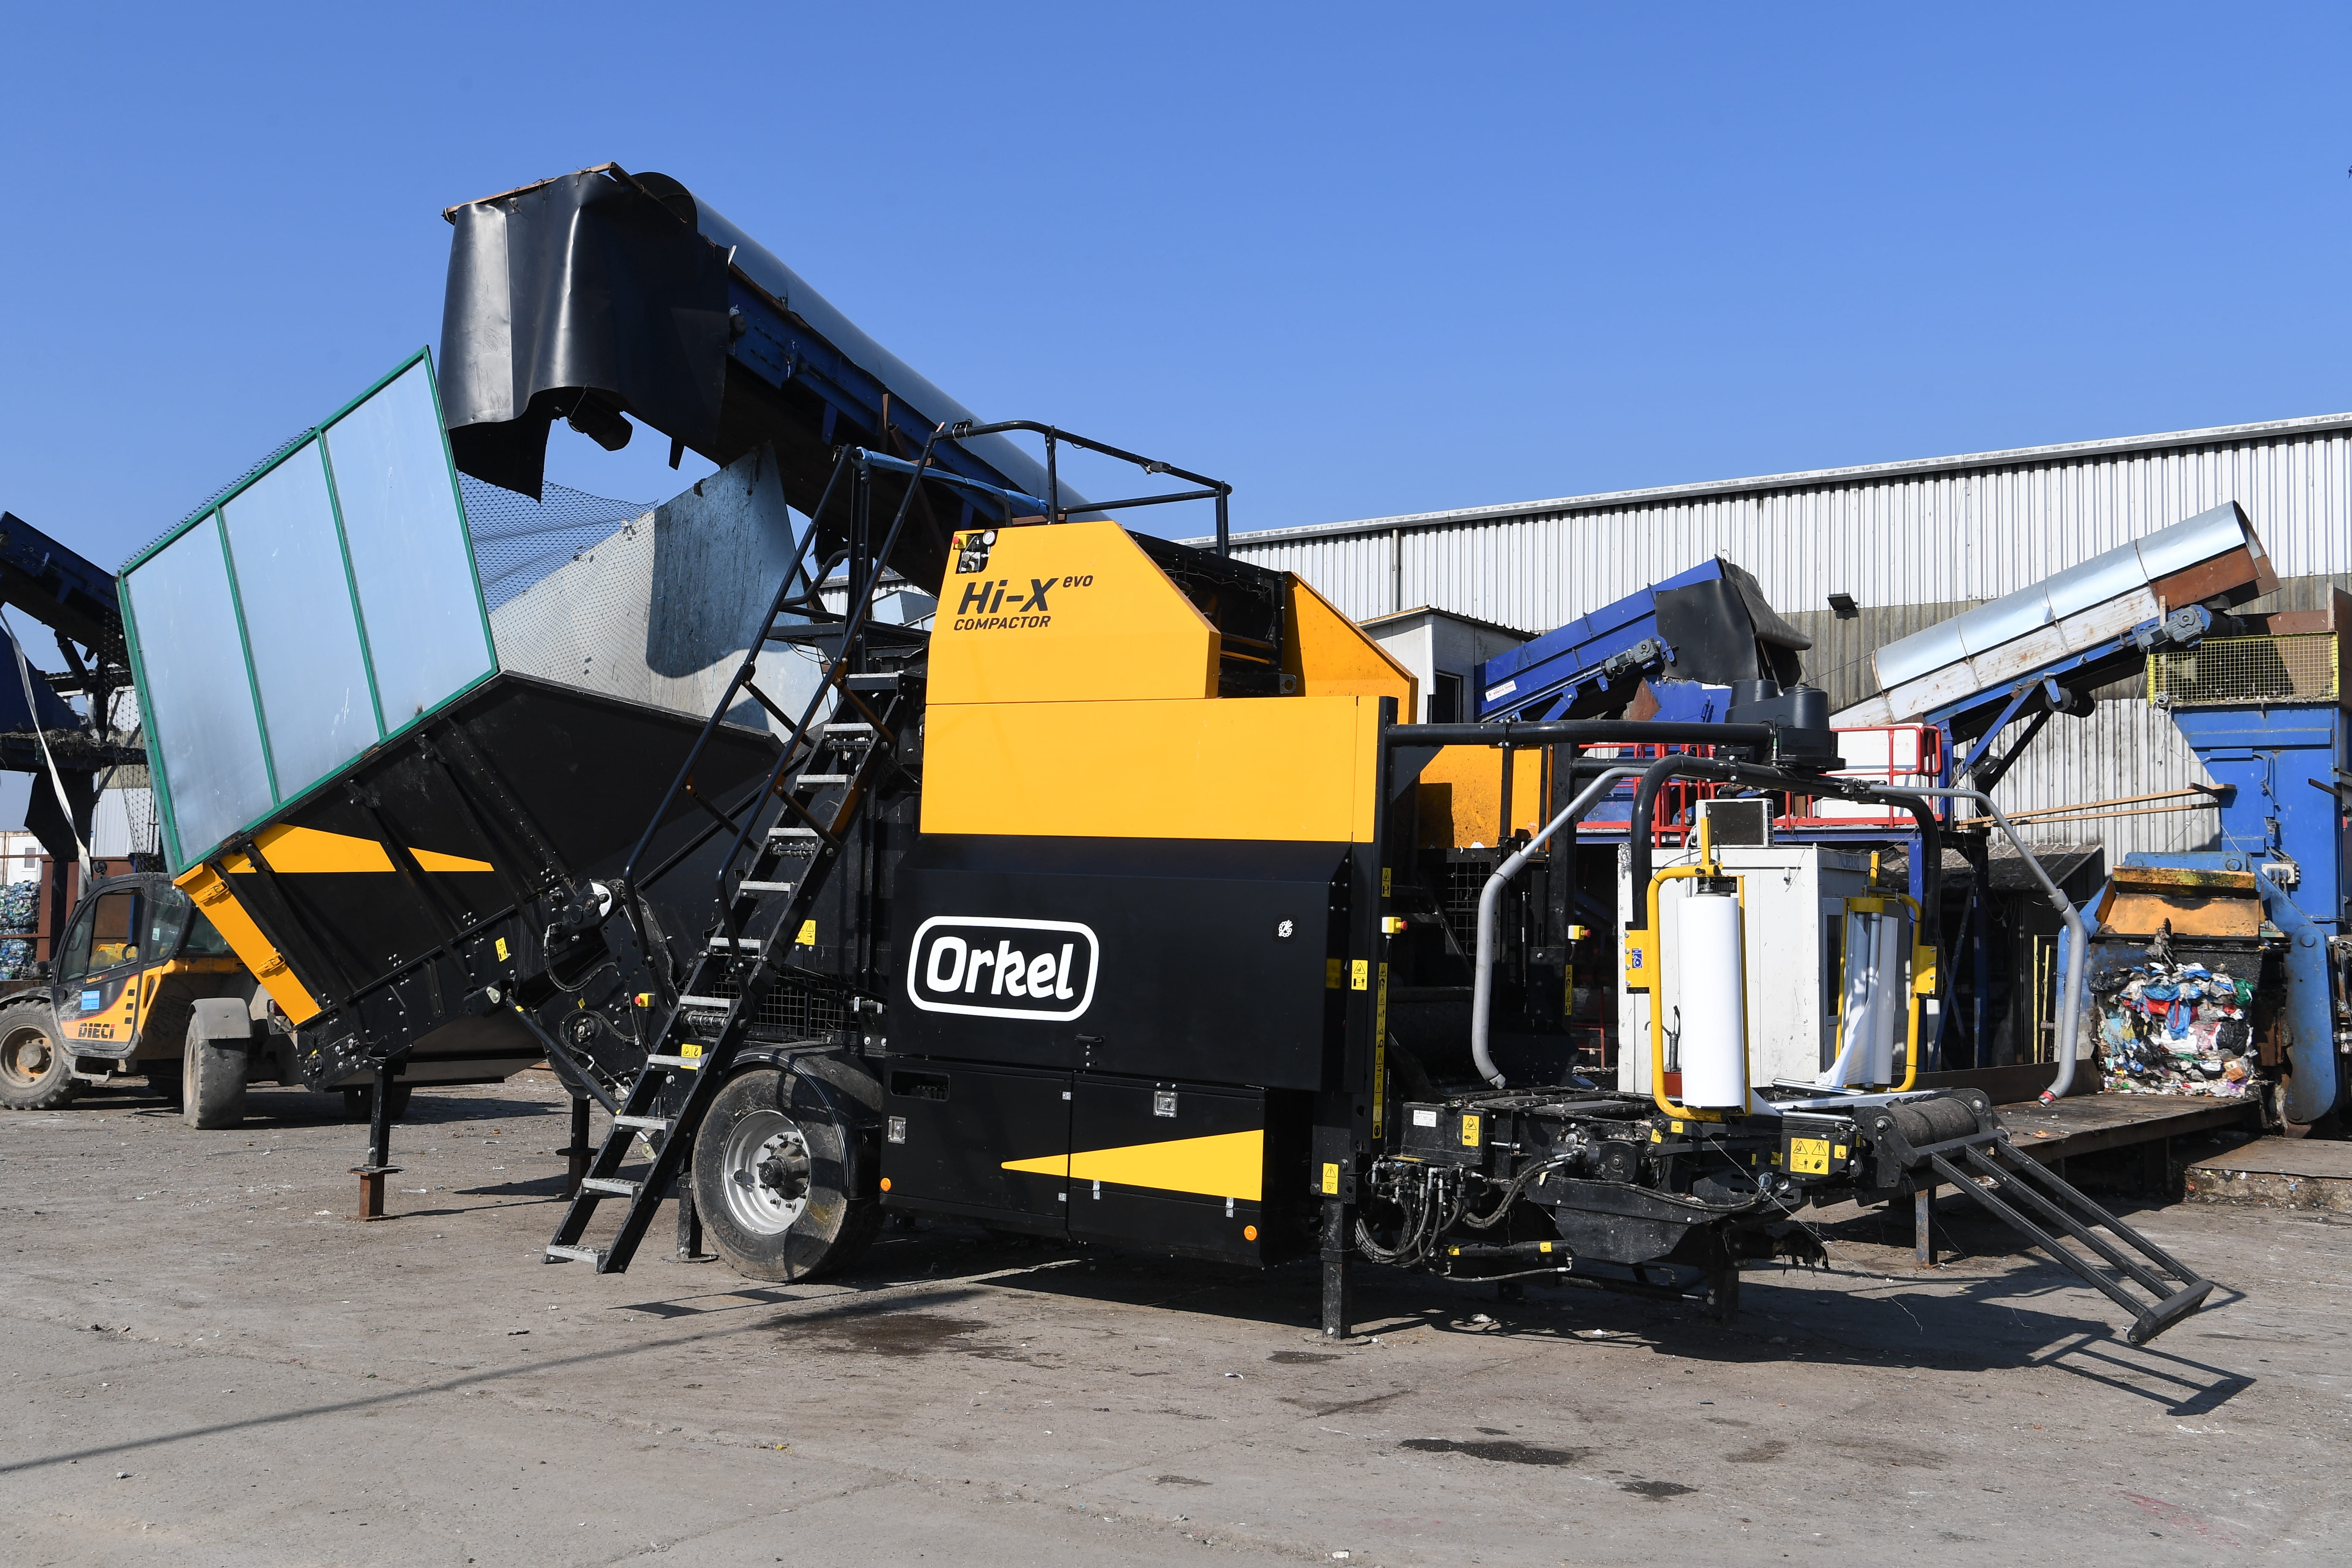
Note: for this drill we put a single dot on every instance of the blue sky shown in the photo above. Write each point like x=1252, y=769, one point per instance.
x=1360, y=260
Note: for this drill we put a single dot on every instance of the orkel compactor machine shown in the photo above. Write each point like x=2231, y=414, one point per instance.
x=1080, y=913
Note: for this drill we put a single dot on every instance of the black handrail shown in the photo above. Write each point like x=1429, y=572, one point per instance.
x=1054, y=512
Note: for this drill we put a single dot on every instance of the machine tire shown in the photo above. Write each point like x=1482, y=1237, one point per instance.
x=35, y=1070
x=773, y=1161
x=215, y=1064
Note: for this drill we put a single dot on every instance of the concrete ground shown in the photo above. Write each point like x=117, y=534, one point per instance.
x=212, y=1365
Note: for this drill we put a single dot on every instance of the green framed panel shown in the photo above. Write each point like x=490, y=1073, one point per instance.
x=410, y=558
x=194, y=689
x=322, y=603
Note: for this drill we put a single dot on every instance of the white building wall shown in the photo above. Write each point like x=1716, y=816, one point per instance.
x=1962, y=527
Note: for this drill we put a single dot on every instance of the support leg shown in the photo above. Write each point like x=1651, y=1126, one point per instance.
x=379, y=1157
x=1923, y=1225
x=689, y=1224
x=577, y=1151
x=1339, y=1283
x=1723, y=1292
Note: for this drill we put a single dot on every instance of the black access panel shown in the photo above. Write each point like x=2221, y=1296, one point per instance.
x=952, y=1129
x=1187, y=1168
x=1211, y=961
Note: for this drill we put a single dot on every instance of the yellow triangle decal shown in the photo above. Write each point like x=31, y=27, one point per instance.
x=1223, y=1165
x=308, y=851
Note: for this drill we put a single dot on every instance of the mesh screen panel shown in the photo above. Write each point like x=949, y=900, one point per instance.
x=2222, y=670
x=518, y=540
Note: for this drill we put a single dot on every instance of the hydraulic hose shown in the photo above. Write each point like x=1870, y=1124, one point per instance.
x=1490, y=899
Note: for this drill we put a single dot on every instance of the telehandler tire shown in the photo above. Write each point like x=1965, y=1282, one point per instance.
x=35, y=1070
x=213, y=1065
x=773, y=1165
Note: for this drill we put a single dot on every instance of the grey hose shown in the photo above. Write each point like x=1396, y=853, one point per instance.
x=1490, y=901
x=2069, y=1014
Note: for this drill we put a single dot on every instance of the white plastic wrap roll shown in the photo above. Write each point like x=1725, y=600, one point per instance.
x=1710, y=983
x=1888, y=1014
x=1859, y=1020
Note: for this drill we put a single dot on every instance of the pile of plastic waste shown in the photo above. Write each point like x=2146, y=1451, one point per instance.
x=19, y=911
x=19, y=906
x=2175, y=1028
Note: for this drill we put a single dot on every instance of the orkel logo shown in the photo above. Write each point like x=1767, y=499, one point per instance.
x=998, y=967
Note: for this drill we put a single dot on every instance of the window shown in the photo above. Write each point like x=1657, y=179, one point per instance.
x=1445, y=698
x=170, y=914
x=104, y=935
x=114, y=933
x=204, y=941
x=76, y=961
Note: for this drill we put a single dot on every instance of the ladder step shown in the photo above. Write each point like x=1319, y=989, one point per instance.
x=853, y=728
x=648, y=1123
x=791, y=833
x=746, y=886
x=746, y=943
x=874, y=681
x=594, y=1255
x=690, y=1063
x=721, y=1003
x=822, y=779
x=609, y=1186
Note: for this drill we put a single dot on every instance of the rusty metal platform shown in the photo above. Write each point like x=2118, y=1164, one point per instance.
x=2091, y=1124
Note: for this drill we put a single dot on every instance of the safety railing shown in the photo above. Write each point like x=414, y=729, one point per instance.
x=1896, y=756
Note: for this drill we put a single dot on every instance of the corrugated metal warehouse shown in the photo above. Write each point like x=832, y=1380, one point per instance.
x=1912, y=542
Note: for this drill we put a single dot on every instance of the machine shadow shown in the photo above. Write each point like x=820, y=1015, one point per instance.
x=2003, y=1323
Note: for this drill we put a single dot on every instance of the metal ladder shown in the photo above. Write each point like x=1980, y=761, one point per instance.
x=2020, y=1191
x=768, y=884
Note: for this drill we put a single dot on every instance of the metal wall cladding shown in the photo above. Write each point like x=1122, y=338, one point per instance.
x=1913, y=543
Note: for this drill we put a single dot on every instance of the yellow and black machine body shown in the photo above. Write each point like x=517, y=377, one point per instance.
x=1122, y=933
x=1136, y=942
x=430, y=916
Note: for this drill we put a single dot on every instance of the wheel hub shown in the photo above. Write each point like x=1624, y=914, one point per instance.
x=766, y=1161
x=27, y=1056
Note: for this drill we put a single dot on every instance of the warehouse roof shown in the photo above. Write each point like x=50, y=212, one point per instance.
x=2219, y=434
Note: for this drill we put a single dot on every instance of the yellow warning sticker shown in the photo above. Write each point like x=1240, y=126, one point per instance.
x=1331, y=1178
x=1385, y=874
x=808, y=934
x=1469, y=1132
x=1809, y=1156
x=1360, y=974
x=1333, y=969
x=689, y=1050
x=502, y=945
